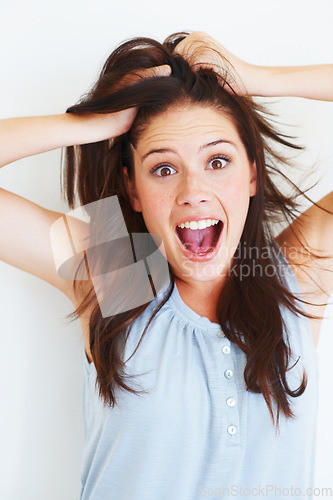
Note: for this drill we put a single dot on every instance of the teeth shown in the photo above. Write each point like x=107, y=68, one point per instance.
x=201, y=224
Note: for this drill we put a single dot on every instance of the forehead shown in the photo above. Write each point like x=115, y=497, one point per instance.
x=190, y=123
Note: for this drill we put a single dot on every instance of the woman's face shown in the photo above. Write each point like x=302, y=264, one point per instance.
x=190, y=165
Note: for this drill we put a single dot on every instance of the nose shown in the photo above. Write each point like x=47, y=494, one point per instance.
x=192, y=191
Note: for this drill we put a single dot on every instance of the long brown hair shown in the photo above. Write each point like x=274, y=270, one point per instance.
x=95, y=172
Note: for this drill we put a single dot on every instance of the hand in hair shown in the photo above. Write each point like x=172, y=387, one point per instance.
x=203, y=51
x=123, y=119
x=100, y=126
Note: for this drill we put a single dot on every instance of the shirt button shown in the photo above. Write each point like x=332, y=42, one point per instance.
x=221, y=334
x=232, y=429
x=231, y=402
x=228, y=373
x=225, y=349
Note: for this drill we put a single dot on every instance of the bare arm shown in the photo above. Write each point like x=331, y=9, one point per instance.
x=311, y=82
x=27, y=136
x=25, y=240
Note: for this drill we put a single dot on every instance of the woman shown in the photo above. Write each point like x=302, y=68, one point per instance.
x=221, y=361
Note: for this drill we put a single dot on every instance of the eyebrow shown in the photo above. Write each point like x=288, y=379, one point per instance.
x=204, y=146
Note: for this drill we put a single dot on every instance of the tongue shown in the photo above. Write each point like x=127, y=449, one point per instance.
x=198, y=240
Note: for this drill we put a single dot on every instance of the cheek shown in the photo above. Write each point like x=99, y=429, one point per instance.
x=235, y=198
x=235, y=194
x=156, y=209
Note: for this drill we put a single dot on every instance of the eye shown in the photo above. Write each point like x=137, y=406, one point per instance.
x=164, y=170
x=219, y=162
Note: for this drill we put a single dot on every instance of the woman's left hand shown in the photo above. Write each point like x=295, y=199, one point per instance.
x=203, y=51
x=311, y=82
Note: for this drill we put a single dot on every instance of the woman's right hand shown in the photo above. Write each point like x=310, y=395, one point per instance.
x=27, y=136
x=102, y=126
x=95, y=127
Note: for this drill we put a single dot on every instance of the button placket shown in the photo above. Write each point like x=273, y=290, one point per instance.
x=230, y=415
x=232, y=430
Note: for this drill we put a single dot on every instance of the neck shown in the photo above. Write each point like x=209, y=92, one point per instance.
x=201, y=297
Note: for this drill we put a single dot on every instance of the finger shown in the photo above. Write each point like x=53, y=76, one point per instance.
x=136, y=76
x=163, y=70
x=123, y=120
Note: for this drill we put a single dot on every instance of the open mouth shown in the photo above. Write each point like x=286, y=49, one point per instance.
x=200, y=241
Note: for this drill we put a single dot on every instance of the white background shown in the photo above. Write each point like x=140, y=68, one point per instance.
x=51, y=52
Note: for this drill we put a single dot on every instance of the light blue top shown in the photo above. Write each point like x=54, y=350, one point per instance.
x=198, y=432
